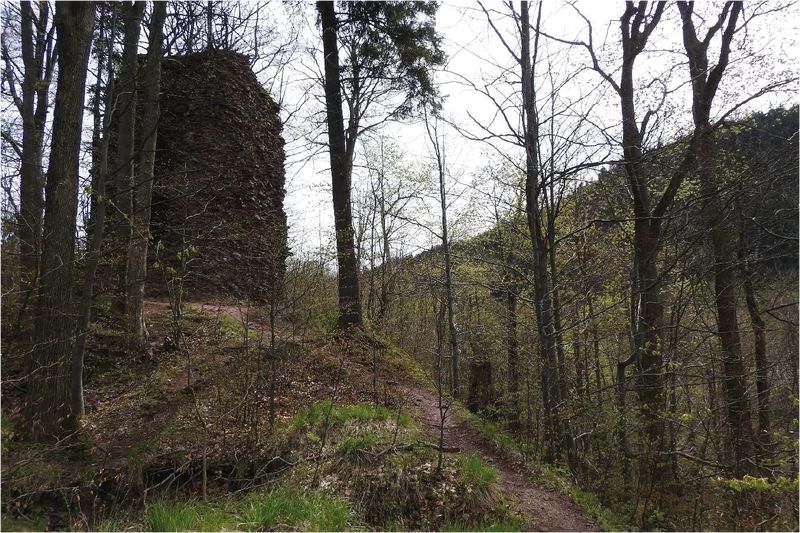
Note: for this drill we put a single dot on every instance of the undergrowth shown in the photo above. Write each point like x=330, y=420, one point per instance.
x=327, y=465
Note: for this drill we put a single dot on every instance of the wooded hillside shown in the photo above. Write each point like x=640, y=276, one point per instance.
x=399, y=266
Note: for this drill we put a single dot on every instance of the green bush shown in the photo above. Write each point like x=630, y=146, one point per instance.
x=8, y=432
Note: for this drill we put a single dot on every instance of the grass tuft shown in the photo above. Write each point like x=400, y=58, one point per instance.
x=477, y=474
x=282, y=510
x=315, y=415
x=174, y=516
x=354, y=447
x=499, y=525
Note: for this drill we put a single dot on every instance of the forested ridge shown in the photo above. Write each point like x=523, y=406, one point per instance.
x=399, y=266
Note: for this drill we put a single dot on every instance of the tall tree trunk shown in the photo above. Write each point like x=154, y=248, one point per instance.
x=705, y=82
x=455, y=355
x=143, y=192
x=513, y=359
x=648, y=340
x=542, y=297
x=37, y=57
x=98, y=220
x=386, y=265
x=49, y=403
x=124, y=178
x=563, y=391
x=349, y=297
x=764, y=437
x=647, y=328
x=734, y=384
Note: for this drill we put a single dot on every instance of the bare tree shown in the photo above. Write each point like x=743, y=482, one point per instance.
x=31, y=98
x=125, y=168
x=455, y=354
x=705, y=81
x=49, y=403
x=143, y=187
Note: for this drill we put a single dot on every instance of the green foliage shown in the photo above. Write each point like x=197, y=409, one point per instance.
x=477, y=474
x=8, y=431
x=28, y=522
x=282, y=510
x=760, y=484
x=396, y=43
x=327, y=321
x=607, y=519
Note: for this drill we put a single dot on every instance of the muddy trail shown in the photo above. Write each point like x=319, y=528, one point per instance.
x=547, y=511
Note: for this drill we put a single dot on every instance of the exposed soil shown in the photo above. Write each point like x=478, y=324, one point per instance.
x=547, y=511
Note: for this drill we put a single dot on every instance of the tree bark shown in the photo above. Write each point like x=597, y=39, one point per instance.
x=455, y=354
x=704, y=86
x=143, y=191
x=38, y=61
x=734, y=384
x=49, y=403
x=349, y=297
x=551, y=390
x=647, y=332
x=125, y=168
x=764, y=437
x=98, y=221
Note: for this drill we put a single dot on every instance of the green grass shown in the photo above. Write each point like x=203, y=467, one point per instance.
x=501, y=525
x=477, y=474
x=315, y=415
x=354, y=447
x=175, y=516
x=30, y=522
x=553, y=477
x=491, y=431
x=282, y=510
x=112, y=524
x=230, y=327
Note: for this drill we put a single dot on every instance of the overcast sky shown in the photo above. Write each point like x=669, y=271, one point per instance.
x=480, y=63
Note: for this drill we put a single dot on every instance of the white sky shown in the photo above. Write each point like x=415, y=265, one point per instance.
x=476, y=54
x=478, y=60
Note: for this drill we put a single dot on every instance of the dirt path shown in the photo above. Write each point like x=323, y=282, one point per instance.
x=548, y=511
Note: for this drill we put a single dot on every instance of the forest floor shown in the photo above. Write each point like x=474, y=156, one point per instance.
x=155, y=416
x=546, y=510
